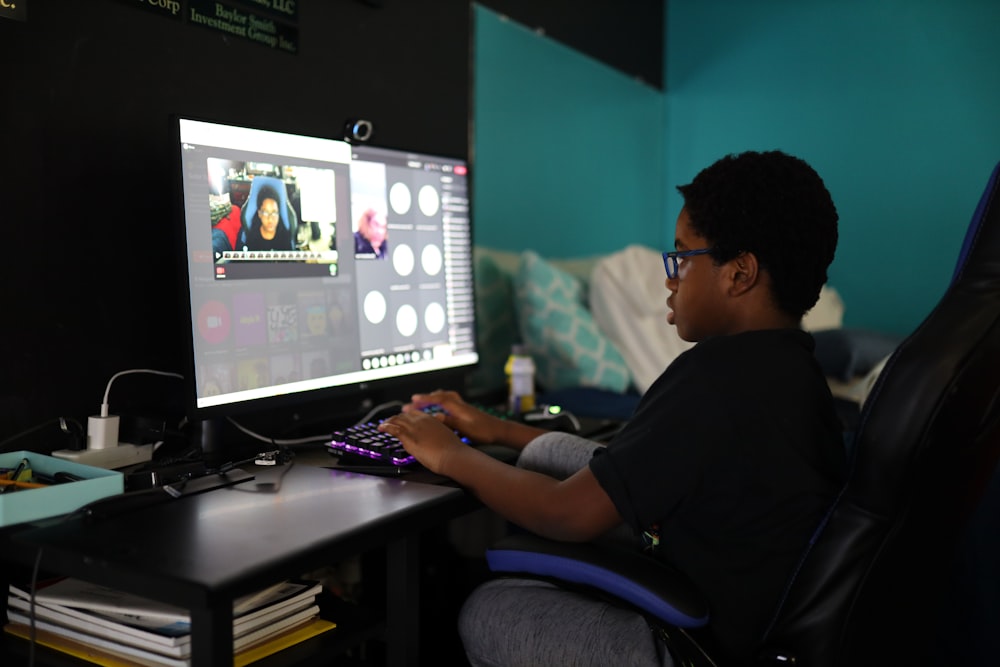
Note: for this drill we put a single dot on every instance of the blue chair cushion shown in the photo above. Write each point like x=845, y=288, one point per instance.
x=648, y=585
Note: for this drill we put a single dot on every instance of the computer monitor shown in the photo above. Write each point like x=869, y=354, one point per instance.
x=316, y=268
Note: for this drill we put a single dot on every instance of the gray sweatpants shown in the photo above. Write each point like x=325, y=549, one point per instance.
x=513, y=622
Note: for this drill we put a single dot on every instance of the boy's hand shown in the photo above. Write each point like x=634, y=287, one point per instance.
x=455, y=413
x=423, y=436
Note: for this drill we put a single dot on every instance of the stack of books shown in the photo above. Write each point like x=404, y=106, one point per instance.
x=112, y=628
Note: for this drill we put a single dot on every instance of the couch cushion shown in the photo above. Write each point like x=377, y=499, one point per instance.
x=568, y=347
x=628, y=299
x=845, y=354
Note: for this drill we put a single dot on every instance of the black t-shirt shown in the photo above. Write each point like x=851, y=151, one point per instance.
x=734, y=453
x=282, y=239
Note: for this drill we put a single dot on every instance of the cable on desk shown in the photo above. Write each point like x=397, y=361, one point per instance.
x=281, y=456
x=151, y=371
x=266, y=486
x=67, y=425
x=379, y=408
x=192, y=455
x=277, y=442
x=322, y=438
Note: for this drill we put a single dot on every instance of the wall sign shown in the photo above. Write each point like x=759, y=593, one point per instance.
x=271, y=23
x=14, y=9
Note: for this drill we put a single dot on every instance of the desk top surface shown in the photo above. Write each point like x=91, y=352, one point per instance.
x=227, y=539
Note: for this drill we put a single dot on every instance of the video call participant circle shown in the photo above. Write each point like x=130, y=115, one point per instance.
x=431, y=260
x=374, y=307
x=403, y=259
x=428, y=201
x=400, y=198
x=406, y=320
x=434, y=317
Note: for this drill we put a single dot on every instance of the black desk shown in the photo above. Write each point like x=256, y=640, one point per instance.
x=201, y=552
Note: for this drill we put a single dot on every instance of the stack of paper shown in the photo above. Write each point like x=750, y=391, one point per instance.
x=110, y=627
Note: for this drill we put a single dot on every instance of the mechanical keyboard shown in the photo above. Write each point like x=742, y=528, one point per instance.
x=367, y=441
x=365, y=444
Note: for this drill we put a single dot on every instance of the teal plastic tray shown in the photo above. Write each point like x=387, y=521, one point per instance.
x=31, y=504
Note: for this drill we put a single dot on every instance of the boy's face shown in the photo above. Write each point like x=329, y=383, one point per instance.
x=269, y=217
x=697, y=295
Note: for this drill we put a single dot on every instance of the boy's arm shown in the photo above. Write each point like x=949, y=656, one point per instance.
x=576, y=509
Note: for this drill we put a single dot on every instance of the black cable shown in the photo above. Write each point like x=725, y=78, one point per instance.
x=62, y=421
x=282, y=456
x=279, y=442
x=281, y=477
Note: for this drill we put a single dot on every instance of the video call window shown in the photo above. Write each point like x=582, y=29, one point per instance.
x=272, y=213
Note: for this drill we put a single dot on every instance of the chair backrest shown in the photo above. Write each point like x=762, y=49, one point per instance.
x=871, y=587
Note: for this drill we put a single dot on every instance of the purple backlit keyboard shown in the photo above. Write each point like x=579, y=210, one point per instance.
x=367, y=441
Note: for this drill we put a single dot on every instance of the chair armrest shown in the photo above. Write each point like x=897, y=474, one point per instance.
x=649, y=585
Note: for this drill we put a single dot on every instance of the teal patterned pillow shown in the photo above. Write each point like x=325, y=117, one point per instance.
x=568, y=348
x=496, y=325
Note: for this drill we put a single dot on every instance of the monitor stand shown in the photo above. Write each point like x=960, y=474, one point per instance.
x=206, y=435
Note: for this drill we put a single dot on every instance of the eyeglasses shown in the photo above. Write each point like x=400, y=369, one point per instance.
x=267, y=214
x=671, y=264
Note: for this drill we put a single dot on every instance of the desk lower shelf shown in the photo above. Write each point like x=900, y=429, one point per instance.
x=202, y=552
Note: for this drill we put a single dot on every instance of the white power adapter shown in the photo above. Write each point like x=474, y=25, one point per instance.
x=102, y=431
x=103, y=449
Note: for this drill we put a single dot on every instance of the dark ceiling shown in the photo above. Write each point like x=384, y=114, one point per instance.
x=625, y=34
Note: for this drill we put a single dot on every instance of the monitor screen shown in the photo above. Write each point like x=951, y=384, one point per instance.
x=314, y=265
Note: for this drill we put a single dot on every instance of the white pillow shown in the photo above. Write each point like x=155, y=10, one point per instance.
x=628, y=300
x=828, y=313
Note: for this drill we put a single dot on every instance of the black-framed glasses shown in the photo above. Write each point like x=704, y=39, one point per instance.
x=671, y=264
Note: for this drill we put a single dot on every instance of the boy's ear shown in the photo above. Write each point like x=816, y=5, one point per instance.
x=744, y=273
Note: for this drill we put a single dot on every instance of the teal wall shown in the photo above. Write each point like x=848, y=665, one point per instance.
x=568, y=152
x=893, y=101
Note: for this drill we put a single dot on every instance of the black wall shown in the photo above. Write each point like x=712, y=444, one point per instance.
x=90, y=271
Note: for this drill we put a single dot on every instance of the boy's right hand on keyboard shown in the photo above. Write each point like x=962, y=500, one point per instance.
x=469, y=421
x=476, y=426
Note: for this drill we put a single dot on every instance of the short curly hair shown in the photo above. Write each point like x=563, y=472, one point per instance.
x=775, y=206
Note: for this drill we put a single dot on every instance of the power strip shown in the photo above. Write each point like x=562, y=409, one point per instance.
x=124, y=454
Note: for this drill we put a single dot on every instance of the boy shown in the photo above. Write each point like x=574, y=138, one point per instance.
x=728, y=463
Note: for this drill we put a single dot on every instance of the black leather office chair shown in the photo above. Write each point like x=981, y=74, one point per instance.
x=872, y=586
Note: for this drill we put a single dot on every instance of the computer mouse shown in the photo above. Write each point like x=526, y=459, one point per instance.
x=553, y=418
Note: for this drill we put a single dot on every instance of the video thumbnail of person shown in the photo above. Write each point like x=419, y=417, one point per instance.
x=267, y=219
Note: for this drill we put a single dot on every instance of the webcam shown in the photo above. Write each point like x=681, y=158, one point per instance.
x=358, y=131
